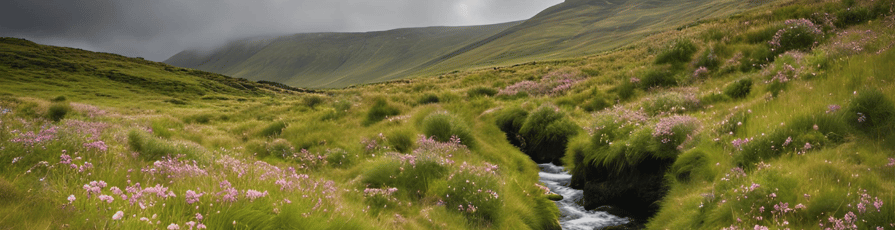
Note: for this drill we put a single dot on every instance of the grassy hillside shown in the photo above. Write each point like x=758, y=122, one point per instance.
x=570, y=29
x=777, y=117
x=336, y=59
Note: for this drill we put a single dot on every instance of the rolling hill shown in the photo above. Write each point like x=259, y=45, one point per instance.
x=28, y=68
x=570, y=29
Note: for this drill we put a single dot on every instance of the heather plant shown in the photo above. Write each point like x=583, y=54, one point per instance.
x=428, y=99
x=708, y=59
x=671, y=134
x=680, y=52
x=57, y=111
x=280, y=148
x=670, y=103
x=273, y=129
x=340, y=158
x=553, y=83
x=473, y=191
x=852, y=15
x=739, y=88
x=443, y=126
x=872, y=112
x=546, y=132
x=801, y=34
x=626, y=89
x=380, y=110
x=657, y=78
x=481, y=91
x=312, y=101
x=401, y=140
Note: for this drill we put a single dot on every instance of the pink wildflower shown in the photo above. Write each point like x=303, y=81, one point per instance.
x=173, y=226
x=106, y=198
x=118, y=215
x=71, y=198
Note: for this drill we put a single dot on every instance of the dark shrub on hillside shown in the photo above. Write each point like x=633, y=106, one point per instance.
x=340, y=158
x=657, y=78
x=380, y=110
x=739, y=89
x=510, y=122
x=681, y=52
x=872, y=112
x=312, y=101
x=546, y=133
x=443, y=126
x=401, y=140
x=58, y=99
x=272, y=129
x=481, y=91
x=625, y=90
x=798, y=34
x=708, y=59
x=852, y=15
x=756, y=57
x=596, y=104
x=759, y=36
x=57, y=111
x=199, y=118
x=428, y=99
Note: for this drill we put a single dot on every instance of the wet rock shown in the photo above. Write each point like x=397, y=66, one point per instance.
x=634, y=192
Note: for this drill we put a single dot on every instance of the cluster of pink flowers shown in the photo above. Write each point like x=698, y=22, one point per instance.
x=91, y=131
x=31, y=138
x=784, y=75
x=370, y=192
x=192, y=197
x=172, y=168
x=96, y=145
x=802, y=27
x=739, y=143
x=371, y=145
x=700, y=72
x=551, y=84
x=94, y=187
x=252, y=195
x=664, y=129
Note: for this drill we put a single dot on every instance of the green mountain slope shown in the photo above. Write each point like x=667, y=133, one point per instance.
x=580, y=28
x=336, y=59
x=27, y=68
x=570, y=29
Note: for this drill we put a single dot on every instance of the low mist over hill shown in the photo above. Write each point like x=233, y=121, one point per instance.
x=569, y=29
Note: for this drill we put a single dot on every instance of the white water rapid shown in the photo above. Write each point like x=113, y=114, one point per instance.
x=573, y=215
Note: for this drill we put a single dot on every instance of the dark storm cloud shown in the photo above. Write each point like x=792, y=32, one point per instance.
x=157, y=29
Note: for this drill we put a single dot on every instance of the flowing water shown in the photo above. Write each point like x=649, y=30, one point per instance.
x=573, y=215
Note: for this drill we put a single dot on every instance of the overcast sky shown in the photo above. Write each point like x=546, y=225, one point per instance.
x=158, y=29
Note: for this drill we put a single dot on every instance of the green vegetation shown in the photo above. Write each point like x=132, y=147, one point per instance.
x=570, y=29
x=788, y=136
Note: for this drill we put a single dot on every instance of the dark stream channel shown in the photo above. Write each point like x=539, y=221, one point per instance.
x=572, y=213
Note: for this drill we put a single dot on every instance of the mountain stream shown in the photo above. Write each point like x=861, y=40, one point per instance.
x=573, y=216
